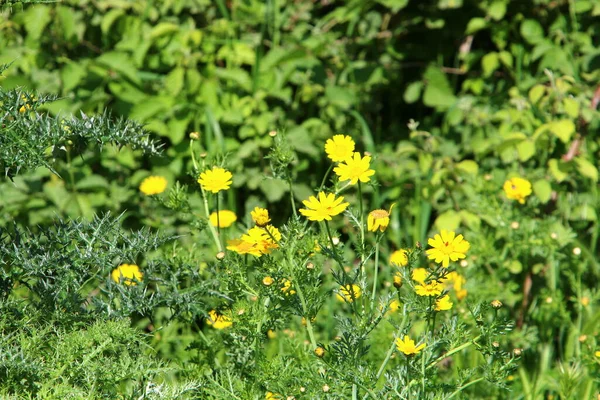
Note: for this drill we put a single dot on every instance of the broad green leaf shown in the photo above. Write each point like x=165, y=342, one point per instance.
x=571, y=107
x=563, y=129
x=109, y=19
x=150, y=107
x=490, y=63
x=162, y=29
x=71, y=74
x=438, y=92
x=35, y=20
x=413, y=92
x=119, y=62
x=475, y=24
x=514, y=266
x=174, y=81
x=558, y=169
x=526, y=150
x=273, y=189
x=340, y=96
x=586, y=168
x=497, y=10
x=532, y=31
x=468, y=166
x=536, y=93
x=469, y=219
x=506, y=58
x=542, y=190
x=449, y=220
x=394, y=5
x=92, y=182
x=67, y=20
x=584, y=212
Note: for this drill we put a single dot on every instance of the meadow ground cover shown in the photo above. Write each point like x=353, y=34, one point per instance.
x=234, y=200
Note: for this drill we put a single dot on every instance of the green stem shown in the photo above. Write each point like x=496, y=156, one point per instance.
x=325, y=177
x=193, y=156
x=292, y=198
x=362, y=229
x=218, y=218
x=463, y=387
x=335, y=255
x=453, y=351
x=309, y=327
x=210, y=226
x=375, y=273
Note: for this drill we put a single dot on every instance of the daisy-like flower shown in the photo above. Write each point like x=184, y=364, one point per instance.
x=408, y=346
x=324, y=208
x=429, y=289
x=446, y=247
x=394, y=306
x=355, y=169
x=129, y=274
x=225, y=220
x=215, y=179
x=397, y=280
x=267, y=281
x=399, y=258
x=443, y=304
x=419, y=275
x=287, y=288
x=257, y=241
x=153, y=185
x=517, y=189
x=456, y=281
x=349, y=293
x=218, y=321
x=339, y=148
x=379, y=219
x=260, y=216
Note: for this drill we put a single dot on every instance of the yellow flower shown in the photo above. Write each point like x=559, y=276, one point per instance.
x=397, y=280
x=348, y=293
x=517, y=189
x=443, y=304
x=218, y=321
x=267, y=281
x=355, y=169
x=446, y=247
x=419, y=275
x=153, y=185
x=456, y=281
x=256, y=242
x=379, y=219
x=324, y=208
x=399, y=258
x=394, y=306
x=339, y=148
x=429, y=289
x=129, y=273
x=272, y=396
x=215, y=179
x=408, y=346
x=597, y=353
x=225, y=220
x=287, y=288
x=260, y=216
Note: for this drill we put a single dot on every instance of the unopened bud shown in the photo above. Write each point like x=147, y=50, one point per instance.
x=194, y=136
x=335, y=241
x=518, y=352
x=553, y=235
x=496, y=344
x=418, y=245
x=582, y=338
x=220, y=255
x=326, y=388
x=310, y=266
x=273, y=133
x=464, y=263
x=514, y=225
x=577, y=251
x=320, y=352
x=496, y=304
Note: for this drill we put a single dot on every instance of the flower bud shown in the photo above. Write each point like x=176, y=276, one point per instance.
x=320, y=352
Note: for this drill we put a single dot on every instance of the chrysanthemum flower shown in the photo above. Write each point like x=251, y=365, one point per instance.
x=443, y=304
x=339, y=148
x=218, y=321
x=517, y=189
x=349, y=293
x=215, y=179
x=408, y=346
x=257, y=241
x=153, y=185
x=128, y=273
x=429, y=289
x=379, y=219
x=260, y=216
x=267, y=281
x=394, y=306
x=446, y=247
x=287, y=288
x=324, y=208
x=419, y=275
x=399, y=258
x=355, y=169
x=225, y=220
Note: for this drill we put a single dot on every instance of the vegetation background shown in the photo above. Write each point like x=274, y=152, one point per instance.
x=450, y=97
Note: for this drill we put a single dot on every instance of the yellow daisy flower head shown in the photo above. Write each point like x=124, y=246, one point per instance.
x=379, y=219
x=399, y=258
x=447, y=246
x=215, y=179
x=218, y=320
x=397, y=280
x=260, y=216
x=349, y=293
x=394, y=306
x=443, y=304
x=517, y=189
x=356, y=168
x=429, y=289
x=272, y=396
x=130, y=274
x=267, y=281
x=597, y=353
x=256, y=241
x=419, y=275
x=408, y=346
x=287, y=288
x=339, y=148
x=324, y=208
x=225, y=220
x=153, y=185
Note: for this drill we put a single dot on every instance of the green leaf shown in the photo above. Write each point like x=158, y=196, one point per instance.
x=490, y=63
x=468, y=166
x=586, y=168
x=109, y=19
x=273, y=189
x=394, y=5
x=71, y=75
x=571, y=107
x=506, y=58
x=413, y=92
x=542, y=190
x=66, y=17
x=475, y=24
x=162, y=29
x=120, y=62
x=558, y=169
x=438, y=92
x=536, y=93
x=563, y=129
x=174, y=81
x=532, y=31
x=150, y=107
x=584, y=212
x=449, y=220
x=497, y=10
x=35, y=20
x=514, y=266
x=92, y=182
x=340, y=96
x=526, y=150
